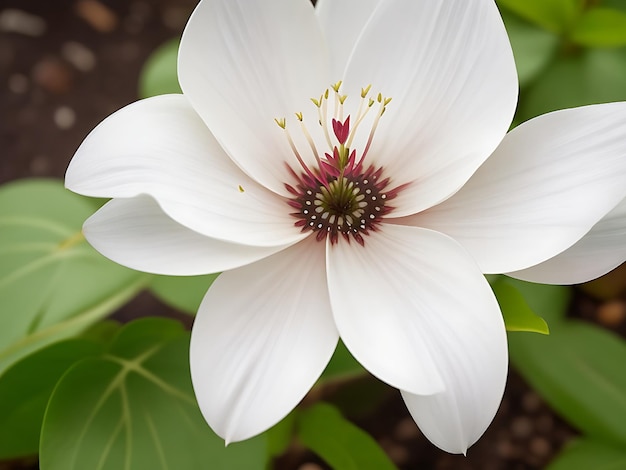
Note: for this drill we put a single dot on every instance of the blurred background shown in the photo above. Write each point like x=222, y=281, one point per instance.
x=67, y=64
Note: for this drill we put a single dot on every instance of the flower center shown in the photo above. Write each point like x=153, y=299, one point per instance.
x=339, y=195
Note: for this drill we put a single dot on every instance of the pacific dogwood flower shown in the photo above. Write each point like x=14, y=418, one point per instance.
x=348, y=167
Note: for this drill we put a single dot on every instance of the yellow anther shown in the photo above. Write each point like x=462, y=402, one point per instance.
x=379, y=98
x=299, y=116
x=316, y=102
x=387, y=101
x=241, y=190
x=342, y=98
x=365, y=91
x=326, y=94
x=282, y=122
x=336, y=86
x=370, y=104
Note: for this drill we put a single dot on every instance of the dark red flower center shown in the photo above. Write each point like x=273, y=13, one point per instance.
x=340, y=196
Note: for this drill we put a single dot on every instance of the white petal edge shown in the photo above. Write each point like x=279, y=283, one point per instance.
x=597, y=253
x=409, y=300
x=136, y=233
x=475, y=377
x=161, y=147
x=263, y=335
x=243, y=64
x=549, y=182
x=342, y=22
x=449, y=67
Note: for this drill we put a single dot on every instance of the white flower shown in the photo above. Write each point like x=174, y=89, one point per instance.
x=377, y=229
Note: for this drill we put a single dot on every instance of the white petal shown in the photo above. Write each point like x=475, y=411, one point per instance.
x=244, y=63
x=546, y=185
x=409, y=300
x=160, y=146
x=449, y=68
x=136, y=233
x=597, y=253
x=342, y=22
x=474, y=373
x=262, y=337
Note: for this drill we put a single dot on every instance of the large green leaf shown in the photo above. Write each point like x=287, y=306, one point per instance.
x=547, y=301
x=619, y=5
x=342, y=365
x=553, y=15
x=533, y=47
x=25, y=389
x=280, y=436
x=134, y=408
x=52, y=283
x=182, y=292
x=600, y=27
x=339, y=442
x=579, y=370
x=584, y=77
x=587, y=454
x=158, y=76
x=518, y=316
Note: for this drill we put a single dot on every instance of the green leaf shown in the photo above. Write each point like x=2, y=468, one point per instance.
x=279, y=436
x=587, y=454
x=342, y=365
x=182, y=292
x=134, y=408
x=619, y=5
x=340, y=443
x=600, y=27
x=553, y=15
x=25, y=389
x=158, y=76
x=579, y=370
x=533, y=47
x=587, y=77
x=518, y=316
x=549, y=302
x=52, y=283
x=102, y=332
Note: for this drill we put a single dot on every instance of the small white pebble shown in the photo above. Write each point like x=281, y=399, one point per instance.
x=64, y=117
x=13, y=20
x=18, y=83
x=40, y=165
x=310, y=466
x=79, y=56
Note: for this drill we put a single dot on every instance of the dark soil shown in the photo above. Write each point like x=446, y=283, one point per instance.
x=67, y=64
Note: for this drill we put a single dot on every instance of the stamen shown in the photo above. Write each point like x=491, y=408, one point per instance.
x=323, y=115
x=339, y=195
x=383, y=104
x=282, y=123
x=309, y=138
x=361, y=115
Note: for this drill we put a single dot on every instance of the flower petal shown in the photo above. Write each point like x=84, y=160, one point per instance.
x=597, y=253
x=546, y=185
x=449, y=68
x=243, y=64
x=136, y=233
x=474, y=373
x=342, y=22
x=407, y=301
x=160, y=146
x=255, y=352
